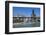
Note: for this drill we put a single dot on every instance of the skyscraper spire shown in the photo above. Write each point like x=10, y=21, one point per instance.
x=33, y=11
x=33, y=14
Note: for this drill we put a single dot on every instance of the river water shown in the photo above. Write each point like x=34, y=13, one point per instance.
x=28, y=24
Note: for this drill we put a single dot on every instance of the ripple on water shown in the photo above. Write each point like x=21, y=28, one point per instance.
x=28, y=24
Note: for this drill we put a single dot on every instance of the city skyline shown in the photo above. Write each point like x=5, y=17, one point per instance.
x=25, y=11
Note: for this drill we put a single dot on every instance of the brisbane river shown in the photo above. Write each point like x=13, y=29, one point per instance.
x=28, y=24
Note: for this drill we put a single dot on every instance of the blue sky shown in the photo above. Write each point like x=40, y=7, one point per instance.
x=26, y=11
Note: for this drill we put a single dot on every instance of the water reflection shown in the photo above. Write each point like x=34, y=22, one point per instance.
x=26, y=24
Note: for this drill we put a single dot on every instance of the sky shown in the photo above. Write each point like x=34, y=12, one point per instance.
x=26, y=11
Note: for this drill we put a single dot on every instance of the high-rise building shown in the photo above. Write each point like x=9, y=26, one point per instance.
x=33, y=16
